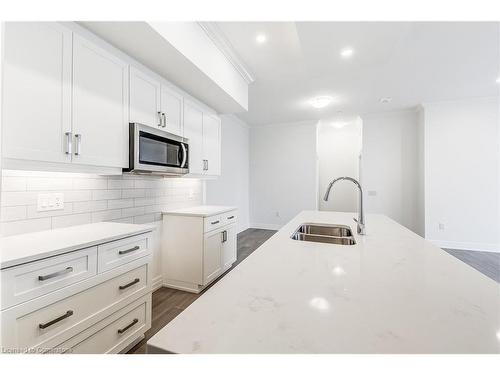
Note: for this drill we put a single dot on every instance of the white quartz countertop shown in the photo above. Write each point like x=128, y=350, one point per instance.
x=202, y=211
x=392, y=292
x=28, y=247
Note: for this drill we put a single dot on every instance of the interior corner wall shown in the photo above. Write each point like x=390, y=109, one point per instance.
x=232, y=187
x=283, y=172
x=388, y=166
x=420, y=209
x=461, y=174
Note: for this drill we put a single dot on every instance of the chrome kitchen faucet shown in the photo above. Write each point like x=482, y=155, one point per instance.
x=361, y=215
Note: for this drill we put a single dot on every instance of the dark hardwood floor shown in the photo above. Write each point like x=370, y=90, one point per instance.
x=168, y=303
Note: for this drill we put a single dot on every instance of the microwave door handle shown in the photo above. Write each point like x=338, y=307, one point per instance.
x=184, y=155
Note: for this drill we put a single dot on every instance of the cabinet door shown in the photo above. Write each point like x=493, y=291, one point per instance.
x=144, y=99
x=193, y=131
x=211, y=144
x=37, y=91
x=171, y=107
x=229, y=247
x=212, y=256
x=100, y=105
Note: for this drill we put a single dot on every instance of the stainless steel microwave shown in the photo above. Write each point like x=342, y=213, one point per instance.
x=153, y=151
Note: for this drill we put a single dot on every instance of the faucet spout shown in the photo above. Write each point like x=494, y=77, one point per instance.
x=361, y=215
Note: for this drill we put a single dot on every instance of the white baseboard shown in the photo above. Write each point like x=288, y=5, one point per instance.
x=266, y=226
x=157, y=283
x=477, y=246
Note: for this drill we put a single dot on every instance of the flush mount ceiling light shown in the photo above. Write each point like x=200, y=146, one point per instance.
x=261, y=38
x=346, y=53
x=386, y=100
x=321, y=101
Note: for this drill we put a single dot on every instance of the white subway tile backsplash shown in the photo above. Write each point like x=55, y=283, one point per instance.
x=98, y=195
x=13, y=213
x=13, y=183
x=90, y=198
x=71, y=220
x=11, y=228
x=120, y=203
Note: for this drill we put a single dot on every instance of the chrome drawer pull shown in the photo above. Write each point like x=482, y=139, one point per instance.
x=230, y=217
x=215, y=222
x=54, y=321
x=55, y=274
x=121, y=252
x=121, y=330
x=121, y=287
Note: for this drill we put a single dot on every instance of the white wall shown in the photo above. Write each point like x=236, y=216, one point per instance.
x=338, y=155
x=232, y=187
x=283, y=172
x=461, y=173
x=389, y=166
x=420, y=212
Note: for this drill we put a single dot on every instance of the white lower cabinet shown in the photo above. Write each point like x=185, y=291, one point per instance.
x=196, y=250
x=78, y=308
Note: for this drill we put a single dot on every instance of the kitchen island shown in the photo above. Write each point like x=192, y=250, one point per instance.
x=391, y=292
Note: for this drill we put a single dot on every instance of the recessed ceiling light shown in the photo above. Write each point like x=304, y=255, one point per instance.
x=346, y=53
x=321, y=101
x=386, y=100
x=261, y=38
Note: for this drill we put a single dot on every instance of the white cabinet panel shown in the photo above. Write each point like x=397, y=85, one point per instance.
x=144, y=99
x=171, y=108
x=229, y=247
x=193, y=130
x=211, y=144
x=37, y=91
x=212, y=256
x=100, y=105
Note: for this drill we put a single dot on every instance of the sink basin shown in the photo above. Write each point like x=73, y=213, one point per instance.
x=325, y=230
x=325, y=233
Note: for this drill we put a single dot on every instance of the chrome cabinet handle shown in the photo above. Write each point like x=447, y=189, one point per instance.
x=121, y=287
x=54, y=321
x=55, y=274
x=164, y=120
x=224, y=236
x=78, y=148
x=134, y=322
x=68, y=143
x=230, y=217
x=121, y=252
x=215, y=222
x=160, y=125
x=207, y=165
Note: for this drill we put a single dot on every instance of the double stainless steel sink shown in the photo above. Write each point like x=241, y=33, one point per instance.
x=325, y=233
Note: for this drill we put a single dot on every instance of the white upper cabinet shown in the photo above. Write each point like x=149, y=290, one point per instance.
x=171, y=110
x=193, y=131
x=37, y=91
x=211, y=144
x=100, y=105
x=145, y=106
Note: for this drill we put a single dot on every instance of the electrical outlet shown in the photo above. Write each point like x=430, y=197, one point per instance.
x=191, y=195
x=441, y=226
x=50, y=202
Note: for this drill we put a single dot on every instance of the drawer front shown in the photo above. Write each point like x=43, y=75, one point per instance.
x=120, y=329
x=230, y=217
x=42, y=325
x=213, y=222
x=116, y=253
x=31, y=280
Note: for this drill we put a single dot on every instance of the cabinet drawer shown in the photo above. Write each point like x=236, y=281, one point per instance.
x=118, y=330
x=230, y=217
x=213, y=222
x=116, y=253
x=31, y=280
x=43, y=325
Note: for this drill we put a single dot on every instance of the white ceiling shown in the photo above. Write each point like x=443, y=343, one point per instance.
x=412, y=62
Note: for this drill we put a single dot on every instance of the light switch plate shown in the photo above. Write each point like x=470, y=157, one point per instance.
x=50, y=202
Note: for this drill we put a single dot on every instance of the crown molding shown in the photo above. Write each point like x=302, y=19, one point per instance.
x=220, y=41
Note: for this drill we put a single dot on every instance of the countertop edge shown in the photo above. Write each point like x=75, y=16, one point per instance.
x=174, y=213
